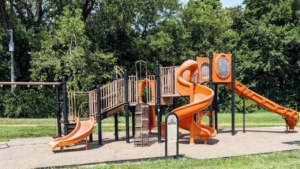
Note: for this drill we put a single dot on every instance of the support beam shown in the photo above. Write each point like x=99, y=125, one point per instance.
x=133, y=120
x=116, y=115
x=89, y=112
x=232, y=95
x=58, y=110
x=211, y=86
x=99, y=115
x=126, y=105
x=216, y=107
x=66, y=121
x=158, y=101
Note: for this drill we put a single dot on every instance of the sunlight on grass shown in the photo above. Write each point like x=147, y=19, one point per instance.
x=273, y=160
x=11, y=128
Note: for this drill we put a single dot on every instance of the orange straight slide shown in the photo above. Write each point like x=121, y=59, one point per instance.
x=82, y=130
x=291, y=116
x=200, y=98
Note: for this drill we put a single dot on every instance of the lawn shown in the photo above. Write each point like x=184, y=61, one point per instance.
x=274, y=160
x=23, y=128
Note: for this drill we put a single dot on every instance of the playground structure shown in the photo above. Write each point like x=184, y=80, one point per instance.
x=170, y=82
x=189, y=79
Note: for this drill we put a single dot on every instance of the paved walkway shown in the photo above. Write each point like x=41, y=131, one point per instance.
x=35, y=152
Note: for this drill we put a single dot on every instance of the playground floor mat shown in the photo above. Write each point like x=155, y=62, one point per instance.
x=35, y=152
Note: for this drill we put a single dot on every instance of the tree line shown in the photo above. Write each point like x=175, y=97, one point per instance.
x=84, y=39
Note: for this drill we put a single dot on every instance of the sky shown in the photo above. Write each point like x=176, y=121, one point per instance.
x=225, y=3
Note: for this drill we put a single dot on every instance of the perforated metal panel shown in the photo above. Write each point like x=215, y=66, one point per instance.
x=223, y=67
x=205, y=70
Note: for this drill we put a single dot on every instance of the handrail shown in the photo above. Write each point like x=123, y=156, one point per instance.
x=31, y=83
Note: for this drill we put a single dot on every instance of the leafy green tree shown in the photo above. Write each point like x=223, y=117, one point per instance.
x=65, y=51
x=206, y=21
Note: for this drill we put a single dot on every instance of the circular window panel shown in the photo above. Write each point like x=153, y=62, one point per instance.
x=223, y=67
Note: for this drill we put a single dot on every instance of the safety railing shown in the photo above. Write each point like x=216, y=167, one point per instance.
x=132, y=90
x=77, y=104
x=167, y=80
x=112, y=95
x=150, y=89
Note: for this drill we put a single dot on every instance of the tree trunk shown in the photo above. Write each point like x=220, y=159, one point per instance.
x=38, y=10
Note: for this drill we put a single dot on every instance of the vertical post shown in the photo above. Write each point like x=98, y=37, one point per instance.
x=210, y=85
x=195, y=115
x=133, y=120
x=66, y=121
x=89, y=112
x=11, y=49
x=116, y=116
x=126, y=105
x=133, y=108
x=99, y=115
x=244, y=113
x=58, y=109
x=232, y=94
x=287, y=127
x=216, y=107
x=158, y=101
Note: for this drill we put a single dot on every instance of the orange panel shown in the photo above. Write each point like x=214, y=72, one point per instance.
x=146, y=83
x=217, y=78
x=203, y=61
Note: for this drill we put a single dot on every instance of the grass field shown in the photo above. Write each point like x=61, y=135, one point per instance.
x=274, y=160
x=23, y=128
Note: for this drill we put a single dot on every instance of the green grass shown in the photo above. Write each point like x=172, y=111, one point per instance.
x=274, y=160
x=11, y=128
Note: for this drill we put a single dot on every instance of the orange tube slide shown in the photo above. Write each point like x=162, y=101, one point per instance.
x=82, y=130
x=291, y=116
x=200, y=98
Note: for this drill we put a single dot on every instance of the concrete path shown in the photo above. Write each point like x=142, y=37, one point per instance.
x=35, y=152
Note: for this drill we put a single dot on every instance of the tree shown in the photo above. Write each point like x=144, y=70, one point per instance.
x=65, y=51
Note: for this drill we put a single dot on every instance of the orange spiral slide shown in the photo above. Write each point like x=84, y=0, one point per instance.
x=200, y=98
x=291, y=116
x=82, y=130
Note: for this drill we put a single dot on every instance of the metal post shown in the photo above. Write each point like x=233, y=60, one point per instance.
x=89, y=113
x=58, y=109
x=126, y=105
x=210, y=85
x=195, y=115
x=11, y=49
x=133, y=111
x=232, y=95
x=244, y=113
x=158, y=101
x=99, y=115
x=216, y=107
x=66, y=121
x=133, y=120
x=116, y=117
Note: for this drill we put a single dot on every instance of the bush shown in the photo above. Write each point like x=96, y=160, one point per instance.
x=28, y=103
